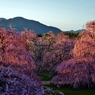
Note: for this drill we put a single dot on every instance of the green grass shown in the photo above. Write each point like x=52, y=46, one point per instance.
x=45, y=77
x=68, y=91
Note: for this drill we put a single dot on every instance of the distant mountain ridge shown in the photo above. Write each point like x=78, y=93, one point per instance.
x=2, y=19
x=20, y=23
x=75, y=31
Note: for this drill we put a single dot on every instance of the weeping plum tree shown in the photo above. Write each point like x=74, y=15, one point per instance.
x=85, y=45
x=78, y=73
x=90, y=26
x=43, y=45
x=38, y=45
x=31, y=39
x=14, y=51
x=29, y=35
x=18, y=72
x=57, y=52
x=80, y=70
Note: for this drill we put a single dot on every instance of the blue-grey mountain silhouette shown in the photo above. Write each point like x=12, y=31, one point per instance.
x=20, y=23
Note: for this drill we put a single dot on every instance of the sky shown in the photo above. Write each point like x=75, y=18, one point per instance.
x=63, y=14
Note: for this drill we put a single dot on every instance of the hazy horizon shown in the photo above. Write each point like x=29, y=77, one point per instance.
x=63, y=14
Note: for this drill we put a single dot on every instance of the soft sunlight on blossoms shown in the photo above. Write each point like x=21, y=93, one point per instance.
x=14, y=51
x=79, y=71
x=90, y=26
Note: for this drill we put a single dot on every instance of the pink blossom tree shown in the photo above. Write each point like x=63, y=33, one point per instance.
x=29, y=35
x=78, y=73
x=90, y=26
x=14, y=51
x=17, y=66
x=44, y=43
x=31, y=40
x=85, y=44
x=80, y=70
x=57, y=52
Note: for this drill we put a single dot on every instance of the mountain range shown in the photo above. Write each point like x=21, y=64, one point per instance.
x=20, y=23
x=75, y=31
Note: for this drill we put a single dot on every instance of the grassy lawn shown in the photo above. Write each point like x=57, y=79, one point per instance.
x=68, y=91
x=45, y=77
